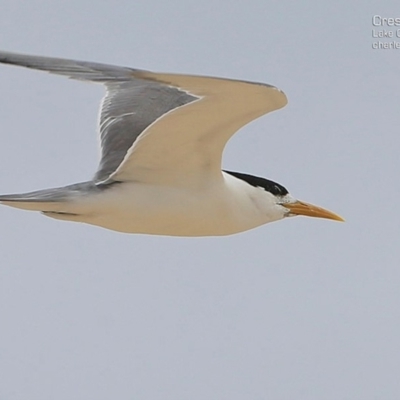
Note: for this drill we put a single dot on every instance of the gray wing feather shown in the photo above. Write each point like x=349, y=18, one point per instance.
x=132, y=101
x=81, y=70
x=127, y=110
x=186, y=141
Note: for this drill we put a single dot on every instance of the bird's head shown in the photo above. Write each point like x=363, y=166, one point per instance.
x=277, y=203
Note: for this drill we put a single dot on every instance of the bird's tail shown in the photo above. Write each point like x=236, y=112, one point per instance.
x=40, y=200
x=57, y=200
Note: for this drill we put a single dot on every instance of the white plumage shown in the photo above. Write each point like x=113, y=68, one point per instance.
x=162, y=138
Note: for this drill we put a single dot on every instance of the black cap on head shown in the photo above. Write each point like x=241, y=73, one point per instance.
x=270, y=186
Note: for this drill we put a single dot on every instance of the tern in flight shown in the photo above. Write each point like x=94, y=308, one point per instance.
x=162, y=137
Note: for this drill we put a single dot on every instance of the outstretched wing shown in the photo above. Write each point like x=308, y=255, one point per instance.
x=162, y=127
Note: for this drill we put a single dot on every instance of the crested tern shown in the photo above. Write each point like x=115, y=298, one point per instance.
x=162, y=137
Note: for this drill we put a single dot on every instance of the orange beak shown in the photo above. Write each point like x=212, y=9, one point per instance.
x=302, y=208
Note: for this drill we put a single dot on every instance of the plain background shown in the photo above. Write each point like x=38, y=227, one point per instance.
x=300, y=309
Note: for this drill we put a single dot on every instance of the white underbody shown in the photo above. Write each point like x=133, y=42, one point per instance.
x=223, y=207
x=213, y=210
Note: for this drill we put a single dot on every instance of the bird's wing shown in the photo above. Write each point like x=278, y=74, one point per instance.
x=157, y=127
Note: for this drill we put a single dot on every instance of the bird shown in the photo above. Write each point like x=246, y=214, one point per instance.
x=162, y=137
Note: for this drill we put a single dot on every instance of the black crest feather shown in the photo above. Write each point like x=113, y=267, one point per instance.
x=270, y=186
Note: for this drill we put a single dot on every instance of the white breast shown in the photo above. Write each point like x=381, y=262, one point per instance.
x=223, y=207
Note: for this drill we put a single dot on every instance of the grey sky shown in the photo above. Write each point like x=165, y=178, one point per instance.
x=300, y=309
